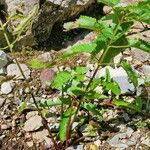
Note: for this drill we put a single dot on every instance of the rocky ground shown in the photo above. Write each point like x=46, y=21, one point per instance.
x=121, y=129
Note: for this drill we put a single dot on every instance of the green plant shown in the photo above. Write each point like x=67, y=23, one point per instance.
x=17, y=32
x=77, y=90
x=112, y=39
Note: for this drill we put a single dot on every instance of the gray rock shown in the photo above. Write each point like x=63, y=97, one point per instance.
x=76, y=147
x=33, y=123
x=45, y=57
x=120, y=76
x=47, y=76
x=3, y=59
x=2, y=71
x=13, y=70
x=140, y=55
x=43, y=136
x=50, y=12
x=146, y=70
x=53, y=11
x=116, y=141
x=2, y=137
x=2, y=101
x=31, y=114
x=5, y=127
x=7, y=87
x=146, y=141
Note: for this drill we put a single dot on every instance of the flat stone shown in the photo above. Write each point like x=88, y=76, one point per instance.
x=140, y=55
x=47, y=76
x=2, y=101
x=120, y=76
x=3, y=59
x=5, y=127
x=30, y=144
x=13, y=70
x=2, y=71
x=7, y=87
x=43, y=136
x=33, y=123
x=76, y=147
x=146, y=141
x=116, y=142
x=31, y=114
x=45, y=57
x=146, y=70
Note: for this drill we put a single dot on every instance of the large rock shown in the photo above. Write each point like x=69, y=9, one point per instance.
x=53, y=11
x=50, y=12
x=33, y=123
x=13, y=70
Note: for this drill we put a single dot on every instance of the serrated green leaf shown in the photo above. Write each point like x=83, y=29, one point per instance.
x=112, y=52
x=66, y=101
x=140, y=44
x=64, y=123
x=50, y=103
x=139, y=103
x=92, y=108
x=94, y=84
x=37, y=63
x=122, y=103
x=113, y=86
x=93, y=95
x=81, y=70
x=81, y=48
x=61, y=79
x=131, y=73
x=107, y=75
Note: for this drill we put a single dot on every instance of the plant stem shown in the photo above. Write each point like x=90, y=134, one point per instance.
x=10, y=45
x=100, y=62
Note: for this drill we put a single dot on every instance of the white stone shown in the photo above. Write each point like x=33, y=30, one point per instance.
x=30, y=144
x=116, y=141
x=120, y=76
x=42, y=136
x=33, y=123
x=117, y=59
x=13, y=70
x=2, y=71
x=146, y=70
x=7, y=87
x=31, y=114
x=3, y=59
x=46, y=57
x=146, y=141
x=2, y=101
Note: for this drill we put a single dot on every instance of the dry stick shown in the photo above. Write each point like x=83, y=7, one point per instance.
x=30, y=90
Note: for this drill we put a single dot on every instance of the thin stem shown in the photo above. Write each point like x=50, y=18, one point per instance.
x=10, y=45
x=124, y=46
x=100, y=62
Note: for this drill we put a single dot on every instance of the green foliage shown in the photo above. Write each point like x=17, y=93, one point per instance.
x=131, y=73
x=17, y=31
x=37, y=63
x=23, y=106
x=137, y=105
x=64, y=123
x=50, y=103
x=77, y=91
x=61, y=78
